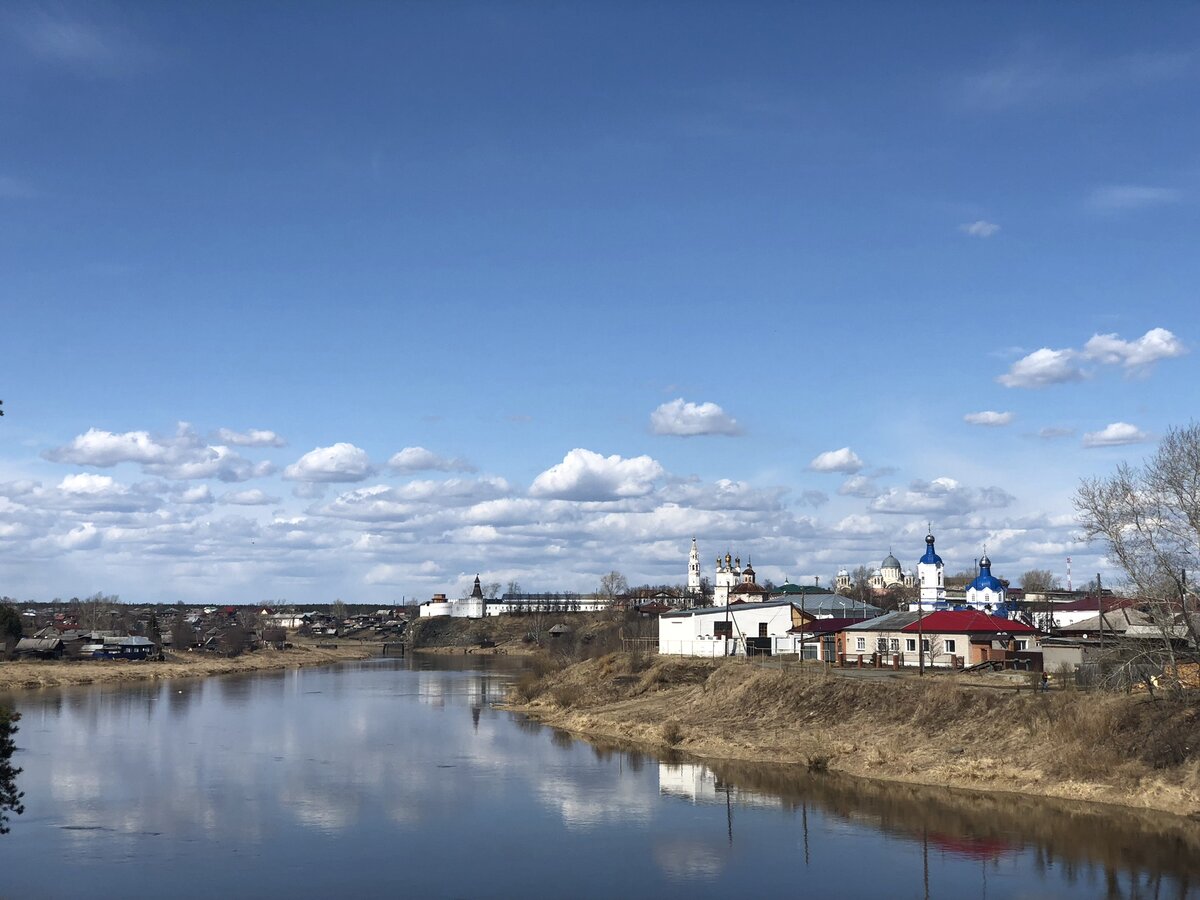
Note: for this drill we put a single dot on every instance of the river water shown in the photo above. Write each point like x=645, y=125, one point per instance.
x=393, y=778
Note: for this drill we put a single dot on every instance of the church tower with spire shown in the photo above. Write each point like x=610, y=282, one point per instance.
x=932, y=576
x=693, y=582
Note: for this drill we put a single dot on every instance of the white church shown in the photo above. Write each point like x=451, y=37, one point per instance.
x=986, y=593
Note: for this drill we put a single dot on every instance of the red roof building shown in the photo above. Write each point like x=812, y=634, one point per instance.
x=967, y=621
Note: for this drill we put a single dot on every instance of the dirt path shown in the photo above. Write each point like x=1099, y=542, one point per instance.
x=51, y=673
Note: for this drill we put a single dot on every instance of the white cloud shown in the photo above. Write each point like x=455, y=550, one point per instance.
x=942, y=495
x=252, y=497
x=418, y=459
x=197, y=494
x=1156, y=344
x=1116, y=434
x=586, y=475
x=1043, y=367
x=184, y=456
x=341, y=462
x=979, y=228
x=988, y=417
x=254, y=437
x=85, y=483
x=1119, y=197
x=844, y=460
x=104, y=449
x=686, y=419
x=859, y=486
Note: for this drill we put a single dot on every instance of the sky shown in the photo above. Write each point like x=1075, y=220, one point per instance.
x=305, y=301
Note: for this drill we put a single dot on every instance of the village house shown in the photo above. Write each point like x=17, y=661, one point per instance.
x=947, y=638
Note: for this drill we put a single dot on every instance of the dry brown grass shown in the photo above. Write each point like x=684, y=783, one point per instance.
x=941, y=730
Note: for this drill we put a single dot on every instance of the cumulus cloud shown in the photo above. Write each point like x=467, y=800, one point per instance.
x=418, y=459
x=1046, y=367
x=254, y=437
x=686, y=419
x=1118, y=197
x=184, y=456
x=1156, y=344
x=1043, y=367
x=341, y=462
x=988, y=417
x=942, y=495
x=1116, y=434
x=586, y=475
x=979, y=228
x=859, y=486
x=814, y=498
x=253, y=497
x=844, y=460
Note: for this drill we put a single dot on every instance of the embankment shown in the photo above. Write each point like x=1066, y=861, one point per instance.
x=1134, y=750
x=52, y=673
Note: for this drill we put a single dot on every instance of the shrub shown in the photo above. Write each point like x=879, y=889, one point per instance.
x=567, y=695
x=672, y=733
x=527, y=687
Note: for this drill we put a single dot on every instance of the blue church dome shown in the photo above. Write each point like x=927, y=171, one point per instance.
x=986, y=580
x=930, y=557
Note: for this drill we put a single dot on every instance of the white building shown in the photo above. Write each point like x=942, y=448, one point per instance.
x=729, y=630
x=693, y=578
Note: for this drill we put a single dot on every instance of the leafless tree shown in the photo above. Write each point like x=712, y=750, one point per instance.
x=491, y=589
x=1148, y=519
x=613, y=586
x=1038, y=581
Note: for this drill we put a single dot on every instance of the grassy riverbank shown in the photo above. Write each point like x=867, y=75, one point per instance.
x=1130, y=750
x=51, y=673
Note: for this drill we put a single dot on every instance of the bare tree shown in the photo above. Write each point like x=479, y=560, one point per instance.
x=1148, y=519
x=1039, y=581
x=339, y=611
x=491, y=589
x=613, y=586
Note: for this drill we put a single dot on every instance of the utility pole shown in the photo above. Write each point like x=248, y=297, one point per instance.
x=920, y=641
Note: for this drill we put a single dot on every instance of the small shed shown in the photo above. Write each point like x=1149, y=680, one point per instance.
x=559, y=630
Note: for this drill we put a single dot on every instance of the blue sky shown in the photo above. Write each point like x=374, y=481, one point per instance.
x=621, y=272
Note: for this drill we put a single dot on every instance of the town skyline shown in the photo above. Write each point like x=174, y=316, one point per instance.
x=543, y=296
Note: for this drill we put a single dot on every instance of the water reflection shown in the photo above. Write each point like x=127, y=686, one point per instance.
x=254, y=784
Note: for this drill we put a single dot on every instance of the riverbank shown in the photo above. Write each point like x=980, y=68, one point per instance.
x=1134, y=751
x=54, y=673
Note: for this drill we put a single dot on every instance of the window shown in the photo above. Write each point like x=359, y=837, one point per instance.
x=762, y=629
x=949, y=645
x=723, y=629
x=861, y=644
x=925, y=644
x=895, y=644
x=910, y=644
x=1022, y=644
x=881, y=645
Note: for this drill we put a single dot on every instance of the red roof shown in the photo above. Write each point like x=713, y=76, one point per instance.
x=1092, y=604
x=967, y=621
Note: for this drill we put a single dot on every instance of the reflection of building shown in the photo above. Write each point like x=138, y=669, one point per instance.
x=698, y=784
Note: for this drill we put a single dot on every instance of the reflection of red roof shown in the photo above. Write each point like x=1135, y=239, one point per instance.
x=824, y=626
x=967, y=621
x=972, y=848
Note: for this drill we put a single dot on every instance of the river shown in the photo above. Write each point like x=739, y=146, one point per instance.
x=391, y=778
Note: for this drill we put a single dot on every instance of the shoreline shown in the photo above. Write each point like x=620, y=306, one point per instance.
x=938, y=734
x=24, y=675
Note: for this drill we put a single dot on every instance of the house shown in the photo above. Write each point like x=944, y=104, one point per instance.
x=733, y=630
x=818, y=639
x=966, y=638
x=861, y=641
x=825, y=605
x=40, y=648
x=1051, y=616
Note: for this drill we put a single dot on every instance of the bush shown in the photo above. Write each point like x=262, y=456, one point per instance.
x=567, y=695
x=528, y=687
x=672, y=733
